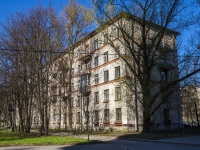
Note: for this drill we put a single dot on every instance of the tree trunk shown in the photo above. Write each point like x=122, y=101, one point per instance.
x=146, y=111
x=196, y=113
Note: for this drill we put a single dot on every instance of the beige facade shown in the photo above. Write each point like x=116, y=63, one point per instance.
x=99, y=84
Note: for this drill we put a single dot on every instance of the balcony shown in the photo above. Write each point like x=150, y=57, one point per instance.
x=164, y=49
x=85, y=71
x=164, y=64
x=85, y=57
x=85, y=90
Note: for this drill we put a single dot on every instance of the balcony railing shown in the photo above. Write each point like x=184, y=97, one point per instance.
x=85, y=71
x=85, y=56
x=85, y=89
x=164, y=64
x=163, y=49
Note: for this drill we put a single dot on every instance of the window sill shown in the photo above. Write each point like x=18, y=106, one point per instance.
x=118, y=123
x=106, y=123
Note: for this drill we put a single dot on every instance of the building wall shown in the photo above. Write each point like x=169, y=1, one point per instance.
x=86, y=53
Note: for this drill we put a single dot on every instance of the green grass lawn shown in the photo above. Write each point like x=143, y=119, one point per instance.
x=9, y=138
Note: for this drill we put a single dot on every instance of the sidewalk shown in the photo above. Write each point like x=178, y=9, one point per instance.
x=195, y=140
x=97, y=137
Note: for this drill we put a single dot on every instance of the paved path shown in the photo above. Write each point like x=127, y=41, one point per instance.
x=195, y=140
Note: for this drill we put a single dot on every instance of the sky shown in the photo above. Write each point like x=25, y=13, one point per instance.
x=8, y=7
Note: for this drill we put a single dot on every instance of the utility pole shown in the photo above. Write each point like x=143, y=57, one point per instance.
x=81, y=115
x=136, y=98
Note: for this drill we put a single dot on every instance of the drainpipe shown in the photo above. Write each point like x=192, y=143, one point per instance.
x=135, y=85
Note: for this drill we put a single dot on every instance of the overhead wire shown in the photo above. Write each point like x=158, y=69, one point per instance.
x=66, y=52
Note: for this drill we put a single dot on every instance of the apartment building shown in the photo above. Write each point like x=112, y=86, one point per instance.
x=100, y=96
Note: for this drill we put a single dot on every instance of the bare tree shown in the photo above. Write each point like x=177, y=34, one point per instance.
x=190, y=100
x=31, y=41
x=76, y=19
x=144, y=34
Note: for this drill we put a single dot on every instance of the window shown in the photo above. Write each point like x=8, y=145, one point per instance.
x=96, y=61
x=87, y=116
x=96, y=97
x=96, y=79
x=54, y=115
x=87, y=65
x=105, y=57
x=86, y=100
x=72, y=102
x=78, y=101
x=115, y=33
x=78, y=117
x=87, y=49
x=163, y=76
x=72, y=86
x=105, y=38
x=106, y=76
x=117, y=93
x=80, y=53
x=79, y=67
x=96, y=116
x=117, y=52
x=117, y=72
x=85, y=82
x=72, y=71
x=95, y=44
x=79, y=84
x=54, y=91
x=166, y=116
x=118, y=115
x=106, y=115
x=106, y=95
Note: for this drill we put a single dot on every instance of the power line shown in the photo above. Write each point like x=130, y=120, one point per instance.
x=66, y=52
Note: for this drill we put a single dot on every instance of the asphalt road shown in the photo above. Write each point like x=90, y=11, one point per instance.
x=116, y=144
